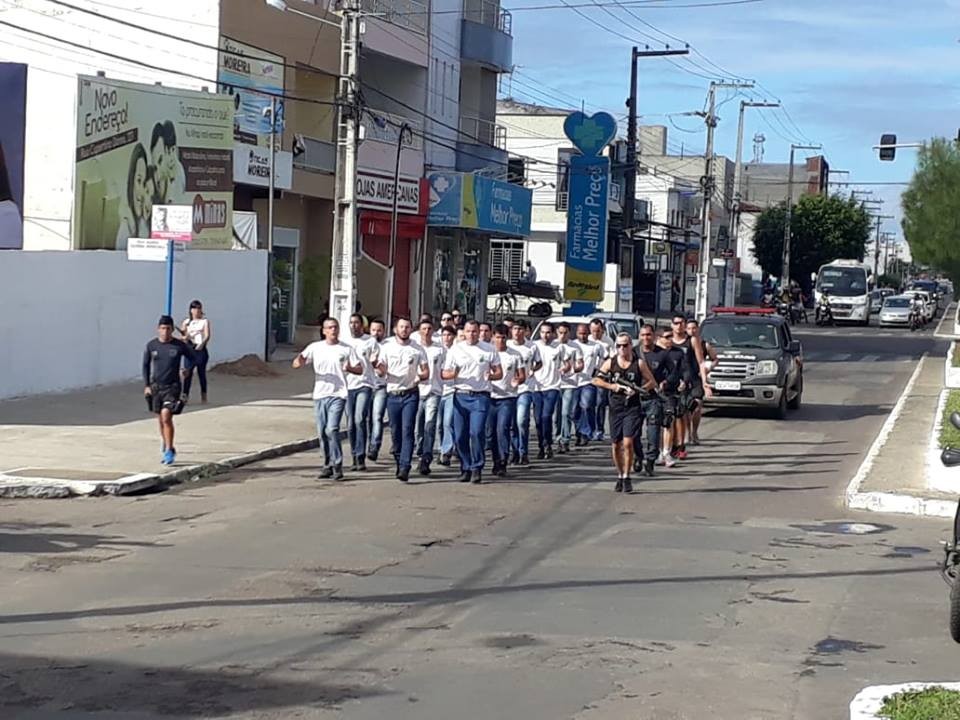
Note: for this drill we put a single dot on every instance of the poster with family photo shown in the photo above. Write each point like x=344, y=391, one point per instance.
x=140, y=146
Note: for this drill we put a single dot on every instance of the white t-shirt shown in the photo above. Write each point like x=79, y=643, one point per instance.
x=528, y=352
x=511, y=361
x=552, y=357
x=435, y=356
x=474, y=363
x=195, y=330
x=379, y=382
x=368, y=350
x=403, y=365
x=329, y=360
x=573, y=355
x=11, y=226
x=594, y=354
x=447, y=384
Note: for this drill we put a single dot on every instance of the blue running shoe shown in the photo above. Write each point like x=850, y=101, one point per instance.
x=168, y=457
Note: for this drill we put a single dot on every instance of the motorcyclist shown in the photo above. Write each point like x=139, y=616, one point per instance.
x=917, y=309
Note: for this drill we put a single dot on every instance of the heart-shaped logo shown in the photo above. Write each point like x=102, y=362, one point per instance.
x=590, y=134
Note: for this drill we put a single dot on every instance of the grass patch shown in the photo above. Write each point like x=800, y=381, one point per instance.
x=949, y=435
x=955, y=355
x=932, y=703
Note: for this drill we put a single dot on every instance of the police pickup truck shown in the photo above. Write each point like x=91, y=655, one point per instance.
x=758, y=363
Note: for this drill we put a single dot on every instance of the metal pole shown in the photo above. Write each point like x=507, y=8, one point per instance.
x=268, y=337
x=631, y=176
x=738, y=174
x=169, y=305
x=343, y=291
x=388, y=310
x=785, y=273
x=706, y=183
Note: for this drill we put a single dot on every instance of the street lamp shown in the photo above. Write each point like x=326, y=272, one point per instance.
x=785, y=275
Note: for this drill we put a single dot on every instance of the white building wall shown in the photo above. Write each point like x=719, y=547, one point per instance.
x=82, y=318
x=52, y=84
x=443, y=83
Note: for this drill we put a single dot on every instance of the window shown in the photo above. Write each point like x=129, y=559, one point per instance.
x=626, y=263
x=506, y=260
x=562, y=249
x=516, y=171
x=563, y=177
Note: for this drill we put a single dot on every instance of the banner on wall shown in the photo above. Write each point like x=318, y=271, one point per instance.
x=13, y=120
x=253, y=78
x=476, y=202
x=144, y=145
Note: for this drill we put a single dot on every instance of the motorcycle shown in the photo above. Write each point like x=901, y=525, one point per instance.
x=785, y=310
x=950, y=568
x=823, y=314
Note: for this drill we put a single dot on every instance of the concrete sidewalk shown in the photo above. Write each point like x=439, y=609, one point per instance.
x=105, y=441
x=894, y=475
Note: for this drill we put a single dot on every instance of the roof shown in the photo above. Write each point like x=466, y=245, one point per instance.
x=509, y=106
x=757, y=319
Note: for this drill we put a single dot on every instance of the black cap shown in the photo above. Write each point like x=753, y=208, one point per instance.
x=165, y=320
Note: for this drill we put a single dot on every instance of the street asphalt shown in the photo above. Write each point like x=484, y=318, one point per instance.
x=733, y=586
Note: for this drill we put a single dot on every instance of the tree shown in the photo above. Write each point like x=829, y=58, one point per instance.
x=931, y=208
x=822, y=228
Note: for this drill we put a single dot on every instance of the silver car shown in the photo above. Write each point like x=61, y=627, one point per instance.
x=896, y=311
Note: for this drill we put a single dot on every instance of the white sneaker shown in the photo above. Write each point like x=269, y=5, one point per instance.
x=662, y=460
x=669, y=461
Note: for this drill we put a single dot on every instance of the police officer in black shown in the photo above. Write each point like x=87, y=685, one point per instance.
x=162, y=362
x=676, y=378
x=663, y=364
x=627, y=378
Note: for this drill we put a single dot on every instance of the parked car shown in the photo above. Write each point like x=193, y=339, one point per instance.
x=896, y=311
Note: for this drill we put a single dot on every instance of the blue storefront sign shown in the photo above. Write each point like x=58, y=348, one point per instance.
x=475, y=202
x=589, y=187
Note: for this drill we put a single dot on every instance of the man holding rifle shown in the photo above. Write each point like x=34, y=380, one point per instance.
x=629, y=380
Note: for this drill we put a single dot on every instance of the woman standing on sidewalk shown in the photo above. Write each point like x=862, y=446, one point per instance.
x=196, y=330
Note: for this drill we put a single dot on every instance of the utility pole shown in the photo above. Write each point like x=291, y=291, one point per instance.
x=785, y=274
x=404, y=132
x=343, y=290
x=269, y=343
x=876, y=250
x=629, y=204
x=738, y=170
x=707, y=185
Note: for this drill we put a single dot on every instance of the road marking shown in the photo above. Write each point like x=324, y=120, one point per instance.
x=892, y=502
x=870, y=358
x=840, y=357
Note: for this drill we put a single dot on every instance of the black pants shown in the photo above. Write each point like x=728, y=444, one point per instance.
x=203, y=357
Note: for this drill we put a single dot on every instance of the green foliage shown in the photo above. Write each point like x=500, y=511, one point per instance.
x=949, y=435
x=822, y=228
x=931, y=208
x=927, y=704
x=888, y=280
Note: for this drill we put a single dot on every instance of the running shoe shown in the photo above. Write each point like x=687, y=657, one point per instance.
x=669, y=461
x=168, y=457
x=682, y=454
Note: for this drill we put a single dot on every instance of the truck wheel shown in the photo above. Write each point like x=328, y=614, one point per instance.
x=955, y=611
x=794, y=404
x=780, y=412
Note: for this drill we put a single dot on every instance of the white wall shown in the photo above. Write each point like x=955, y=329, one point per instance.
x=52, y=85
x=79, y=319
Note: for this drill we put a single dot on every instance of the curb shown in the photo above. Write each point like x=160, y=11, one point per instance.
x=867, y=703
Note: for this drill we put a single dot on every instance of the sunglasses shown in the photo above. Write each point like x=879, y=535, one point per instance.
x=623, y=345
x=678, y=322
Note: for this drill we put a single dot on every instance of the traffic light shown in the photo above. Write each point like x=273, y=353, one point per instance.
x=888, y=153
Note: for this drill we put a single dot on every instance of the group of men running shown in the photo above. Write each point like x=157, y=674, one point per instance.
x=474, y=387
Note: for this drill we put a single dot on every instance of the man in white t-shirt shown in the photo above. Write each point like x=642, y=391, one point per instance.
x=404, y=365
x=503, y=400
x=430, y=393
x=472, y=366
x=547, y=382
x=332, y=360
x=569, y=404
x=360, y=391
x=594, y=353
x=378, y=403
x=448, y=336
x=598, y=333
x=520, y=432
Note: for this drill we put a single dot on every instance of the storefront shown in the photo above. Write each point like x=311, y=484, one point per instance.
x=375, y=200
x=466, y=210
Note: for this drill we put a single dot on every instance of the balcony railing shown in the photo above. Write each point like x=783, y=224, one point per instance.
x=314, y=154
x=383, y=126
x=483, y=132
x=489, y=13
x=408, y=14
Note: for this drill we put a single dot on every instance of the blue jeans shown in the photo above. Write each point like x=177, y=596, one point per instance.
x=470, y=427
x=603, y=402
x=358, y=416
x=427, y=427
x=447, y=436
x=402, y=410
x=652, y=415
x=544, y=404
x=329, y=412
x=570, y=402
x=503, y=413
x=520, y=432
x=376, y=419
x=588, y=411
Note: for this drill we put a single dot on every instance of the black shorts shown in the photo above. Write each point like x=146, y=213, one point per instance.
x=696, y=390
x=165, y=397
x=625, y=421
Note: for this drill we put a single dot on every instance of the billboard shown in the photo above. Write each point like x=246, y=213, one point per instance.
x=145, y=145
x=13, y=121
x=253, y=78
x=480, y=203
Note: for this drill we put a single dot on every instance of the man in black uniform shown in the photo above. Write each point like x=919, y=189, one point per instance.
x=666, y=373
x=162, y=361
x=671, y=390
x=692, y=392
x=625, y=375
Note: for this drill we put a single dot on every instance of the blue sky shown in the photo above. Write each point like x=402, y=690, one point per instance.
x=846, y=71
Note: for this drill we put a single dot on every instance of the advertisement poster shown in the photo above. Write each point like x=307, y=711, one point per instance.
x=586, y=228
x=13, y=90
x=144, y=145
x=242, y=71
x=479, y=203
